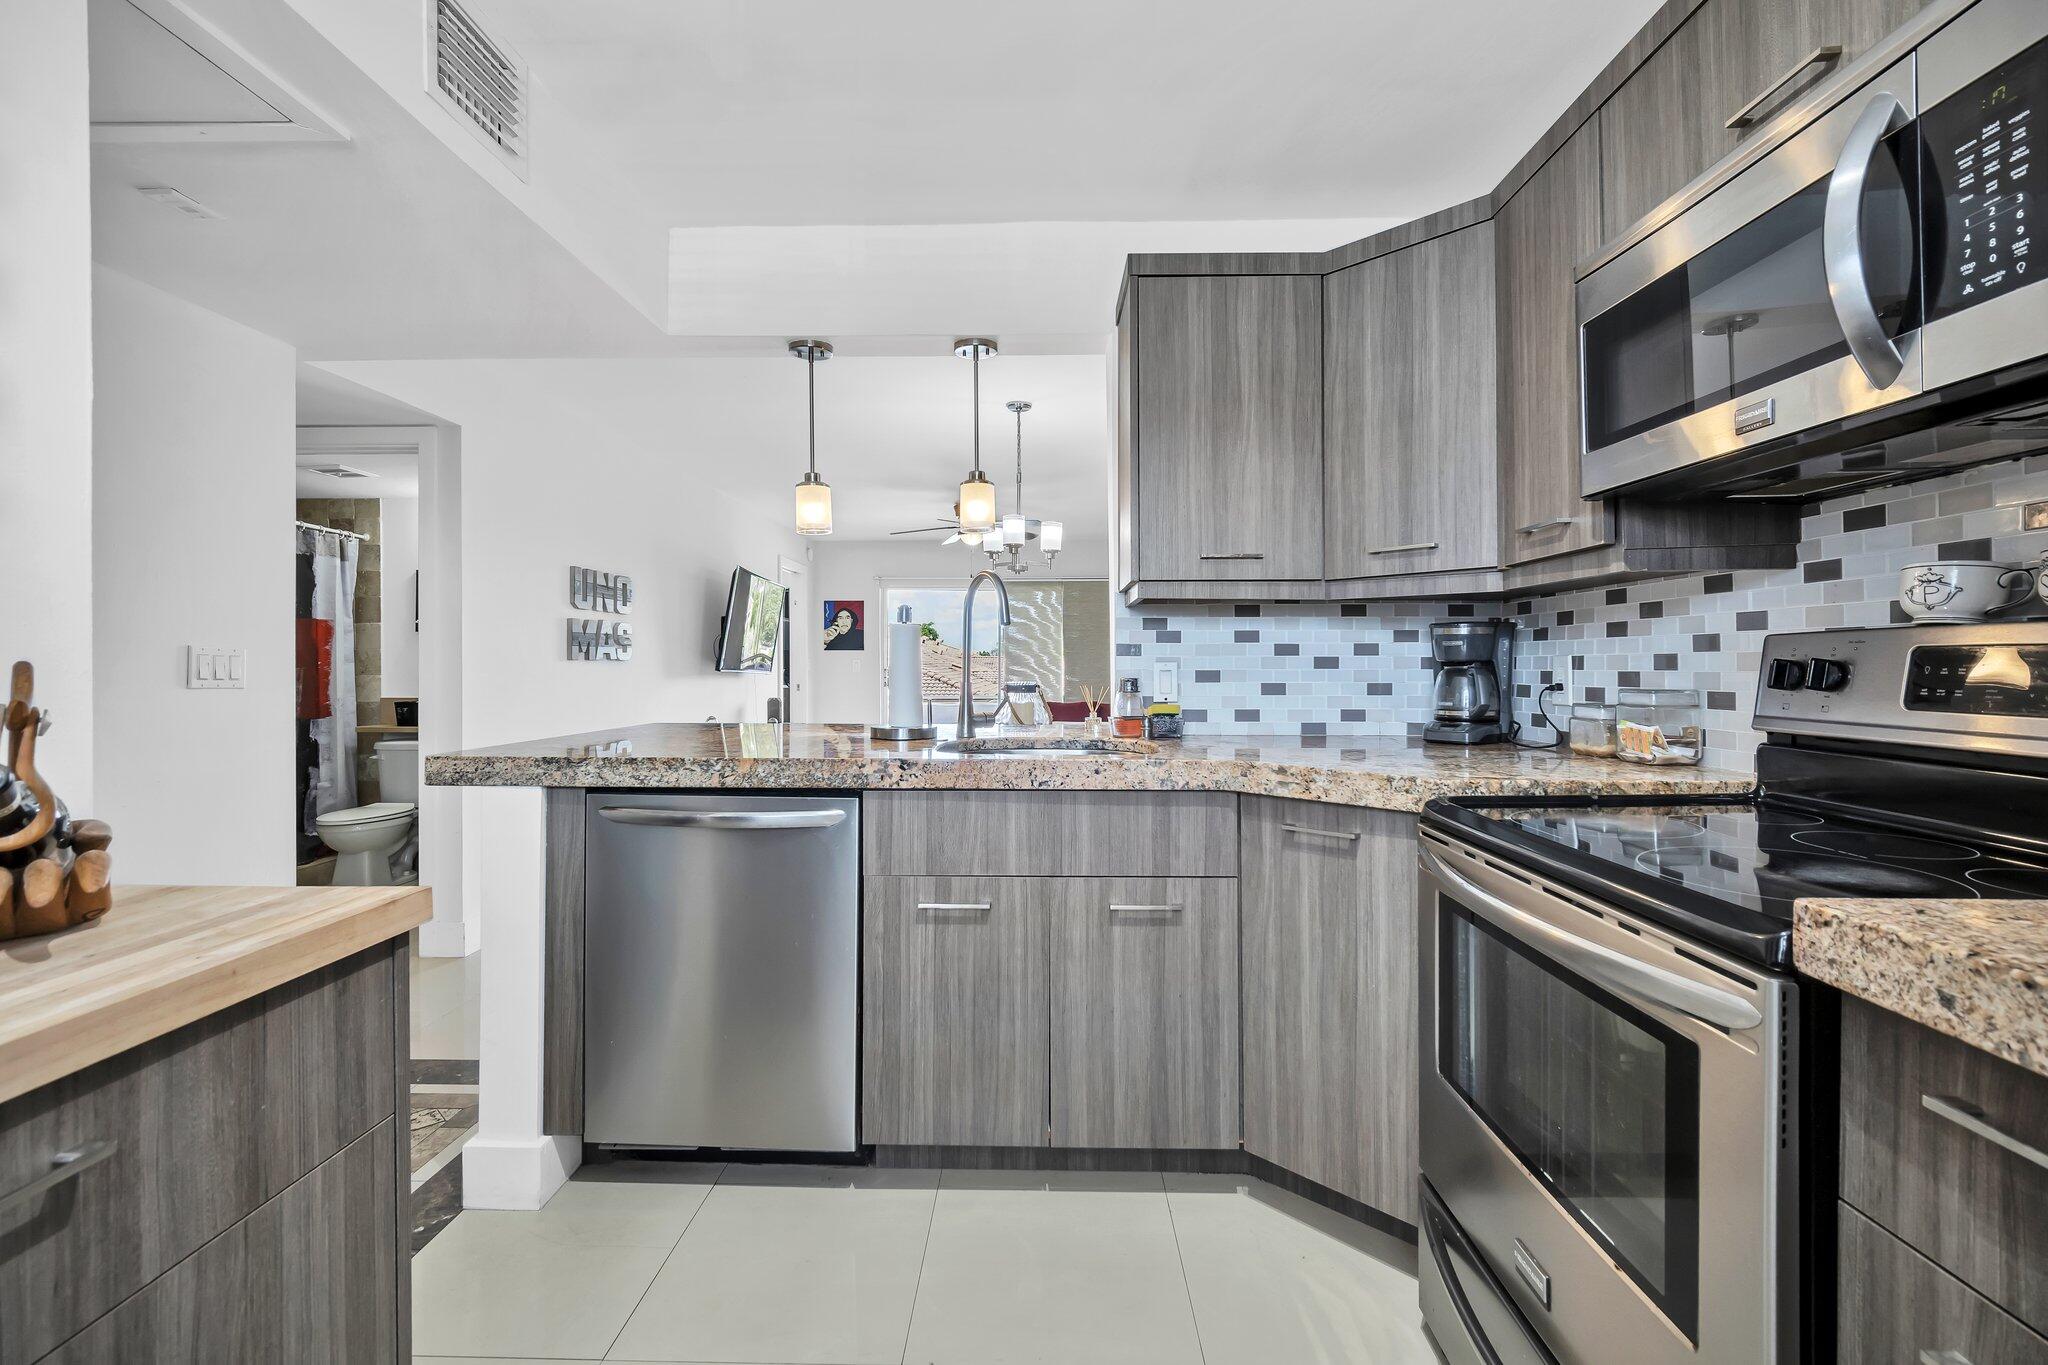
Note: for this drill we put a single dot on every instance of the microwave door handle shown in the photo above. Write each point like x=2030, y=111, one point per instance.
x=1617, y=971
x=1842, y=243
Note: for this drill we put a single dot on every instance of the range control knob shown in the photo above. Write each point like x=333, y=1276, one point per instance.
x=1786, y=675
x=1826, y=675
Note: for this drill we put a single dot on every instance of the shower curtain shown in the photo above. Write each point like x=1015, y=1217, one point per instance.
x=326, y=677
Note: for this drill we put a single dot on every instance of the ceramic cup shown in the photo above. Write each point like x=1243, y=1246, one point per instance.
x=1961, y=589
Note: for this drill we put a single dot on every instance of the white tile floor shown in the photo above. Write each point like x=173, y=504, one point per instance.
x=780, y=1265
x=445, y=996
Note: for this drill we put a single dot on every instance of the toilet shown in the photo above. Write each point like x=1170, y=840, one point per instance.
x=365, y=837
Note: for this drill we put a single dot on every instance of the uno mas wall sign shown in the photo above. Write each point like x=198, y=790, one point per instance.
x=595, y=637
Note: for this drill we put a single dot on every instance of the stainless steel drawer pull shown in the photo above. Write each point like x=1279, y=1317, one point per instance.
x=1248, y=554
x=1533, y=527
x=954, y=905
x=1824, y=55
x=1154, y=909
x=1968, y=1116
x=68, y=1165
x=722, y=819
x=1349, y=836
x=1397, y=549
x=1932, y=1357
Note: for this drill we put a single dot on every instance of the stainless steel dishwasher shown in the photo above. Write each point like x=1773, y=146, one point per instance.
x=721, y=971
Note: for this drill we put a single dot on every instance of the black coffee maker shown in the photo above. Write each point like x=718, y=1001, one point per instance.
x=1475, y=667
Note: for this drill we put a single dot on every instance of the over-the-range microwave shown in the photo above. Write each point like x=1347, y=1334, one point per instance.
x=1851, y=298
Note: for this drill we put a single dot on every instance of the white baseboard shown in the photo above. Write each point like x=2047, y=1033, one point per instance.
x=448, y=938
x=500, y=1174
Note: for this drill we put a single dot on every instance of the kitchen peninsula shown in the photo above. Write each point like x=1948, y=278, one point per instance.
x=1194, y=954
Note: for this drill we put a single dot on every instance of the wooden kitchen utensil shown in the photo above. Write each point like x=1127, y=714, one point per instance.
x=55, y=872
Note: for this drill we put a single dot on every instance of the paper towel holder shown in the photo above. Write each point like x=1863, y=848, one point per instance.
x=903, y=734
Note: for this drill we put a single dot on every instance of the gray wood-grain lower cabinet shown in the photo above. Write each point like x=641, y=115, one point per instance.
x=954, y=1010
x=310, y=1276
x=1224, y=454
x=1922, y=1118
x=1328, y=925
x=1410, y=447
x=1894, y=1305
x=1144, y=1013
x=209, y=1124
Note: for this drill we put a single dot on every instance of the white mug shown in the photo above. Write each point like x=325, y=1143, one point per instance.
x=1961, y=589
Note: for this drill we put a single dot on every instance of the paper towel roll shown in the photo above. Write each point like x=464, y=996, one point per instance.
x=906, y=673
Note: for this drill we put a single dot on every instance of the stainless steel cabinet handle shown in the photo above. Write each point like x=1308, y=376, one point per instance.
x=1616, y=971
x=67, y=1165
x=1155, y=909
x=1968, y=1116
x=954, y=905
x=1932, y=1357
x=722, y=819
x=1243, y=555
x=1349, y=836
x=1533, y=527
x=1825, y=55
x=1396, y=549
x=1841, y=241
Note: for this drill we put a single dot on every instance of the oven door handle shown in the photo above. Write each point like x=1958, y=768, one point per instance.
x=1842, y=243
x=1617, y=971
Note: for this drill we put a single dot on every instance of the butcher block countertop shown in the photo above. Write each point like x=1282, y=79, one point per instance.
x=1383, y=772
x=1976, y=970
x=164, y=956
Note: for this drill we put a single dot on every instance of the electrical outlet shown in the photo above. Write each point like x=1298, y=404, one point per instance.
x=1166, y=680
x=209, y=667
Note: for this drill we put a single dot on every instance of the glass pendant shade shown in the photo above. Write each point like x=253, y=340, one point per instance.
x=1050, y=536
x=813, y=506
x=1013, y=530
x=996, y=539
x=977, y=503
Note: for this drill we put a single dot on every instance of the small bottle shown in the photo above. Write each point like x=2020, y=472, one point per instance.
x=1130, y=711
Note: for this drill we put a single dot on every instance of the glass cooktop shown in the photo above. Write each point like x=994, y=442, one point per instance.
x=1762, y=858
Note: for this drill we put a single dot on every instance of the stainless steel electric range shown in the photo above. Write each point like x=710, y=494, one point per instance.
x=1611, y=1027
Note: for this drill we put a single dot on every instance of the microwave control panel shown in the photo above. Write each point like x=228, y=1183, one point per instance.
x=1978, y=145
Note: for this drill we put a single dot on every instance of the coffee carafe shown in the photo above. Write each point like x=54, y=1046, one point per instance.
x=1470, y=703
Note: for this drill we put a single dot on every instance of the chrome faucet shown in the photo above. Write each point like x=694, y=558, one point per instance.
x=964, y=726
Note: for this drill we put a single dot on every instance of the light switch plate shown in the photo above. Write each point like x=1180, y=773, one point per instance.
x=1166, y=680
x=209, y=666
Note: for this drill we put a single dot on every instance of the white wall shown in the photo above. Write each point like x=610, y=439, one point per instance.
x=191, y=534
x=46, y=378
x=846, y=685
x=398, y=537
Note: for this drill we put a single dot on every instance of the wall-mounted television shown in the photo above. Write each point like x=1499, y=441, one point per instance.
x=752, y=625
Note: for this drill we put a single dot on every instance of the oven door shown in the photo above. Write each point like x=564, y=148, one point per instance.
x=1785, y=299
x=1608, y=1115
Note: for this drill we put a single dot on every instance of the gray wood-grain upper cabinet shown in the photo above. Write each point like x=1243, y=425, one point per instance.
x=1328, y=924
x=1669, y=121
x=1223, y=458
x=954, y=1009
x=1410, y=429
x=1145, y=1012
x=1551, y=223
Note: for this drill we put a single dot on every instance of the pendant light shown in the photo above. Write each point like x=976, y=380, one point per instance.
x=813, y=494
x=977, y=494
x=1016, y=531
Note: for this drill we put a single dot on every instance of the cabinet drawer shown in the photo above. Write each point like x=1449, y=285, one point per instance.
x=1894, y=1305
x=207, y=1123
x=1050, y=834
x=1144, y=1013
x=310, y=1276
x=1947, y=1188
x=953, y=1010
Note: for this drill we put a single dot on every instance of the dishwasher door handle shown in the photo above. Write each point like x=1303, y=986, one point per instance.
x=657, y=817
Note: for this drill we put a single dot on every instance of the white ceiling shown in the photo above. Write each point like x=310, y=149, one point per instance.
x=326, y=399
x=894, y=433
x=390, y=474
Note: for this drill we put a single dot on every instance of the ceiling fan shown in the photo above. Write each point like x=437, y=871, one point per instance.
x=951, y=524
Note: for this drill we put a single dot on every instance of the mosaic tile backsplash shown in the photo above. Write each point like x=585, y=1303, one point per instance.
x=1325, y=668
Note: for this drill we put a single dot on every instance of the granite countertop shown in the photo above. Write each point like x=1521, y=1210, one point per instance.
x=1976, y=970
x=1388, y=773
x=163, y=956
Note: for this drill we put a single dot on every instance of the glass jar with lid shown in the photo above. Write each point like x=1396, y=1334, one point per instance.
x=1659, y=725
x=1592, y=729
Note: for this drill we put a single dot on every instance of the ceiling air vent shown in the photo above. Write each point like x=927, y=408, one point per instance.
x=479, y=80
x=336, y=471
